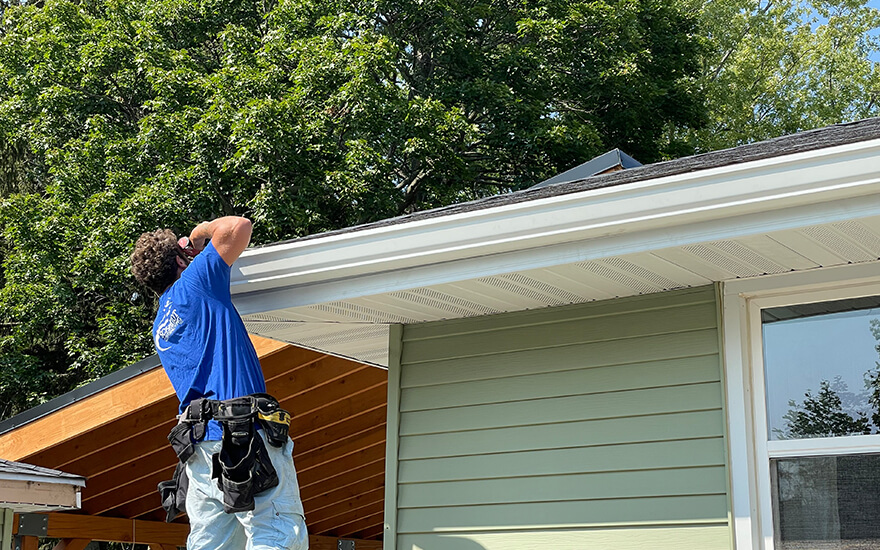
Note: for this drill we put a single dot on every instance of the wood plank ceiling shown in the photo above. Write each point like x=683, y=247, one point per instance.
x=338, y=427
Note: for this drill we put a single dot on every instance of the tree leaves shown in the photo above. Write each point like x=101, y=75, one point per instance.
x=118, y=117
x=783, y=66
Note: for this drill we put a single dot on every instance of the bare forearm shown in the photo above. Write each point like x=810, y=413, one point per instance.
x=230, y=235
x=200, y=235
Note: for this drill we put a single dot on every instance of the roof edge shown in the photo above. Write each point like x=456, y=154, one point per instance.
x=643, y=205
x=78, y=394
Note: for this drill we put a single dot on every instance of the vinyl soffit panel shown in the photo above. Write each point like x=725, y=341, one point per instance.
x=343, y=326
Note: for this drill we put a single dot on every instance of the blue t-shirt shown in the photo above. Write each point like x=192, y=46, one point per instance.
x=201, y=339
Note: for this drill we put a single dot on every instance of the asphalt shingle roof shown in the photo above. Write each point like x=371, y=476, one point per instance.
x=838, y=134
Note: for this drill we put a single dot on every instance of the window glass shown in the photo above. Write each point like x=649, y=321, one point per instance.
x=821, y=368
x=827, y=502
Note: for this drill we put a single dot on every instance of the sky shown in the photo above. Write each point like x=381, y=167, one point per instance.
x=800, y=353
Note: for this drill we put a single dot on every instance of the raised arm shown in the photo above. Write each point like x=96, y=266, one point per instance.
x=230, y=235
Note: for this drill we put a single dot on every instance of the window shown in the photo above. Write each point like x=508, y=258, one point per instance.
x=802, y=363
x=821, y=374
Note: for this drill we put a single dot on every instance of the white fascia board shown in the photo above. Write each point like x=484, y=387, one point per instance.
x=75, y=481
x=841, y=182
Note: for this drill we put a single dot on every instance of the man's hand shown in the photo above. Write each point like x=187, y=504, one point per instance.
x=230, y=235
x=200, y=236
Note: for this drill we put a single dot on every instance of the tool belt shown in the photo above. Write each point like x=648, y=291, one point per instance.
x=242, y=468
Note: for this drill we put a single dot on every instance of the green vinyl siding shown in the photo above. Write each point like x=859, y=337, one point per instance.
x=595, y=425
x=642, y=538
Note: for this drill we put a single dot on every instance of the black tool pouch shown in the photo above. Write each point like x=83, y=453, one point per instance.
x=274, y=420
x=182, y=442
x=238, y=490
x=242, y=468
x=173, y=493
x=264, y=473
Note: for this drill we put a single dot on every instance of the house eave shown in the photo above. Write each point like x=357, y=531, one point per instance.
x=786, y=191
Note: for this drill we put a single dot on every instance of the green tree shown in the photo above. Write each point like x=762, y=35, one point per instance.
x=782, y=66
x=118, y=117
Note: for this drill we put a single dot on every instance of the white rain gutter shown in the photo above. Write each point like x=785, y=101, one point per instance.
x=778, y=193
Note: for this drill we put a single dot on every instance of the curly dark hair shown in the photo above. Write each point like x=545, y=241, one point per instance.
x=154, y=260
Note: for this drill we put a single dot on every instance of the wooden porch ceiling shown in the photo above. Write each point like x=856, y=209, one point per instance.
x=117, y=440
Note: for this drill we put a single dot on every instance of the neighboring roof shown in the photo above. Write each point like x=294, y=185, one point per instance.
x=605, y=162
x=29, y=472
x=80, y=393
x=838, y=134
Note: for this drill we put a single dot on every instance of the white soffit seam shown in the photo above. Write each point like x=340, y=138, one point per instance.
x=774, y=194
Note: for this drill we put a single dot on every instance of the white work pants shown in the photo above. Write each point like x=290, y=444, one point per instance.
x=275, y=523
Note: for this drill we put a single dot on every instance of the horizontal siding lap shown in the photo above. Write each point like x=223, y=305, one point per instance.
x=595, y=486
x=696, y=397
x=671, y=372
x=633, y=325
x=495, y=323
x=575, y=356
x=545, y=515
x=613, y=458
x=675, y=537
x=660, y=427
x=597, y=425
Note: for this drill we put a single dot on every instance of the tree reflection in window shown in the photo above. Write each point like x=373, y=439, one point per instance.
x=824, y=351
x=823, y=414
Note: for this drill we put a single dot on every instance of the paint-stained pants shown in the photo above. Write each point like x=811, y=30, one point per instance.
x=275, y=523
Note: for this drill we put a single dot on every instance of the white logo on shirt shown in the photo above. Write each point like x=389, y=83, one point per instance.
x=166, y=328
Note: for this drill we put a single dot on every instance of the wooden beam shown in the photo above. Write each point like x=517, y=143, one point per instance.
x=83, y=416
x=347, y=477
x=296, y=370
x=155, y=462
x=308, y=476
x=329, y=498
x=71, y=544
x=30, y=543
x=125, y=430
x=344, y=507
x=146, y=504
x=101, y=408
x=266, y=346
x=122, y=451
x=79, y=526
x=317, y=542
x=359, y=527
x=327, y=393
x=330, y=524
x=129, y=492
x=311, y=414
x=359, y=422
x=374, y=532
x=344, y=447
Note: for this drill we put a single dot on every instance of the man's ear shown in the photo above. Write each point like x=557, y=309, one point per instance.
x=181, y=263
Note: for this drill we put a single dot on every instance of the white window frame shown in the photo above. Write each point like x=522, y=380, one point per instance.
x=749, y=449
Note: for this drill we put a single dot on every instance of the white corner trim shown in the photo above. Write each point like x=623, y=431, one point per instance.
x=744, y=506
